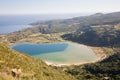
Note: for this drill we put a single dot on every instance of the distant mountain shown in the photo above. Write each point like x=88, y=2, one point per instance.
x=100, y=19
x=74, y=23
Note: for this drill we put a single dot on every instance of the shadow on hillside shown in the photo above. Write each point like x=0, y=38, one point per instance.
x=89, y=41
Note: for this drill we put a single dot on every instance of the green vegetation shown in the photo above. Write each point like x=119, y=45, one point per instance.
x=96, y=36
x=73, y=24
x=17, y=37
x=31, y=68
x=56, y=26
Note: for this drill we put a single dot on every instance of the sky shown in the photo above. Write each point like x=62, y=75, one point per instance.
x=58, y=6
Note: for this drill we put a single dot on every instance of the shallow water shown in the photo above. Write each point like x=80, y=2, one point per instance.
x=64, y=53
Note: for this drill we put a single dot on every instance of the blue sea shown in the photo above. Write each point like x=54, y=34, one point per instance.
x=11, y=23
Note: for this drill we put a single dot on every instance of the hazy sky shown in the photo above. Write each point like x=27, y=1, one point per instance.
x=57, y=6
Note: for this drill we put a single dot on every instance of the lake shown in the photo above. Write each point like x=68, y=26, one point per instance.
x=58, y=53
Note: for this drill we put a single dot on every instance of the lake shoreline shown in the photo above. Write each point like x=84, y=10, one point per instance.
x=76, y=64
x=96, y=50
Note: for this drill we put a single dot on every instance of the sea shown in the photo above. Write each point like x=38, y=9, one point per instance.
x=12, y=23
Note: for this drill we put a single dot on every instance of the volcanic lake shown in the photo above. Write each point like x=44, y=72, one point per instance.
x=58, y=53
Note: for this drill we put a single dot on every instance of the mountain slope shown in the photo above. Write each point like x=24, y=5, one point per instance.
x=97, y=36
x=73, y=24
x=99, y=19
x=31, y=68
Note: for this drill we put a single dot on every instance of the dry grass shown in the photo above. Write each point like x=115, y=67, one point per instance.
x=31, y=68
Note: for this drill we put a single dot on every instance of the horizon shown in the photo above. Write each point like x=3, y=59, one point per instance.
x=38, y=7
x=53, y=14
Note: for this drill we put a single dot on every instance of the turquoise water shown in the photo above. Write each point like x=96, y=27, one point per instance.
x=65, y=53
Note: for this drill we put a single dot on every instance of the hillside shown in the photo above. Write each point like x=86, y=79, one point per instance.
x=102, y=30
x=31, y=68
x=76, y=23
x=104, y=35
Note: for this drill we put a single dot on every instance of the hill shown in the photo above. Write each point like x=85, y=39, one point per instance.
x=104, y=35
x=32, y=69
x=76, y=23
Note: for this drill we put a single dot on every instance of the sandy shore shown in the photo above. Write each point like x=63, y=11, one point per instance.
x=97, y=50
x=60, y=65
x=80, y=63
x=100, y=51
